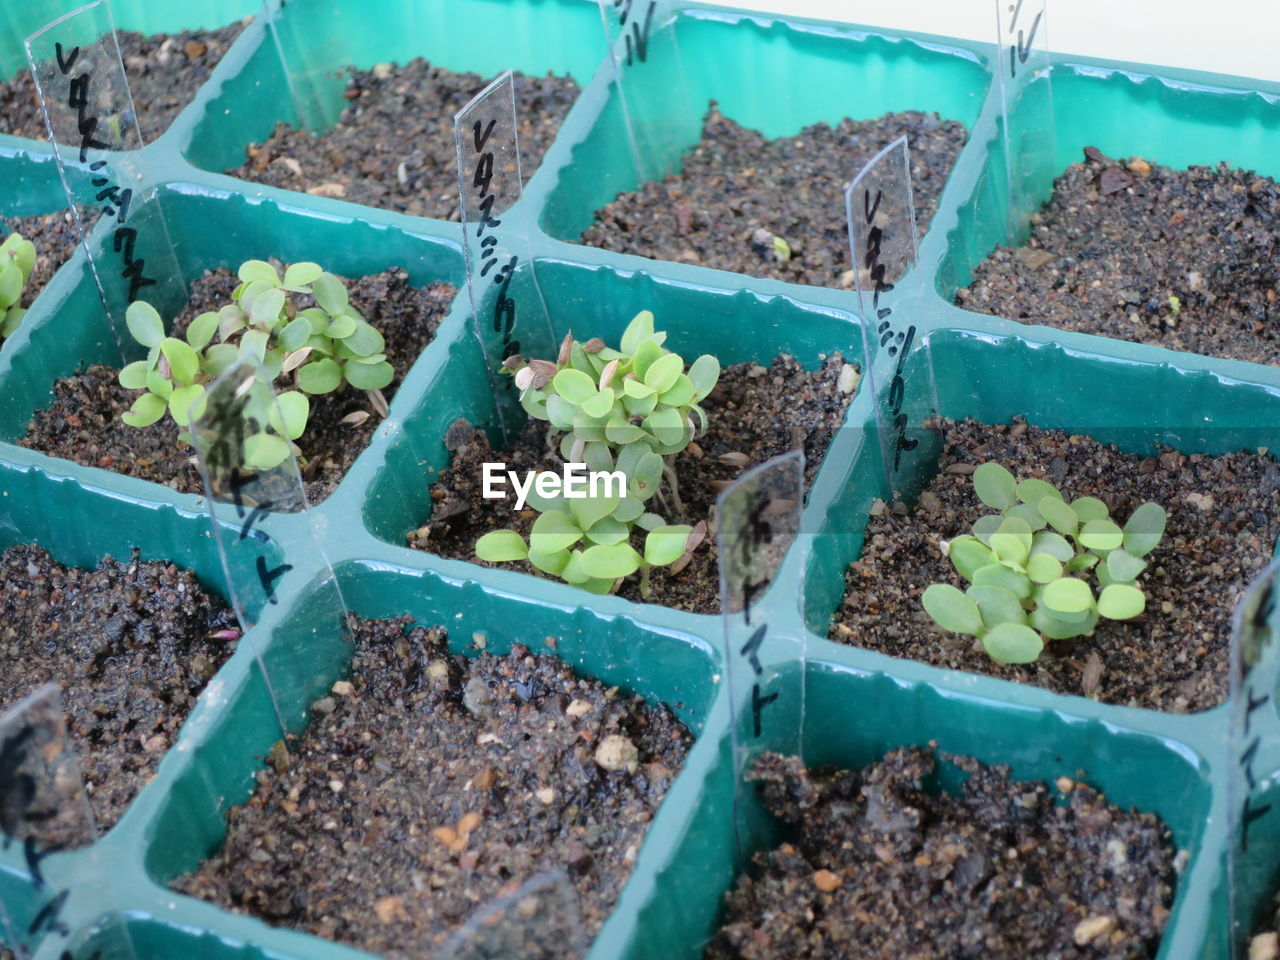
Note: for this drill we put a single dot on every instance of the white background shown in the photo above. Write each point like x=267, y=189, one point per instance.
x=1239, y=37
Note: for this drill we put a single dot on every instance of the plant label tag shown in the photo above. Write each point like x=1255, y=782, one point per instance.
x=757, y=519
x=538, y=921
x=43, y=810
x=881, y=216
x=252, y=483
x=91, y=122
x=657, y=113
x=508, y=312
x=1254, y=743
x=1023, y=72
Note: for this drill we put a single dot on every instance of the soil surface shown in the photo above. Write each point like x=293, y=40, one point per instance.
x=393, y=146
x=54, y=235
x=132, y=645
x=164, y=72
x=880, y=868
x=528, y=768
x=1118, y=239
x=734, y=183
x=83, y=424
x=1223, y=521
x=754, y=411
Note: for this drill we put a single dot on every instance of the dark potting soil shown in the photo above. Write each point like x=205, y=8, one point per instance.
x=754, y=413
x=1118, y=239
x=54, y=235
x=83, y=423
x=734, y=183
x=880, y=868
x=428, y=784
x=132, y=645
x=1223, y=521
x=393, y=146
x=164, y=72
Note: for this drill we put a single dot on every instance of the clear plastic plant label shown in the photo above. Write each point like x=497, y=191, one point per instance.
x=1253, y=818
x=507, y=310
x=757, y=519
x=248, y=462
x=92, y=124
x=43, y=811
x=1026, y=103
x=881, y=219
x=539, y=921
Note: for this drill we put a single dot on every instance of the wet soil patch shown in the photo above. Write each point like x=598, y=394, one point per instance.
x=164, y=72
x=1119, y=239
x=754, y=413
x=393, y=146
x=880, y=868
x=132, y=645
x=83, y=424
x=54, y=235
x=735, y=183
x=1223, y=523
x=428, y=784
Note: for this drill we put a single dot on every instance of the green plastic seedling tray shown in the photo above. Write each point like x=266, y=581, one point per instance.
x=772, y=73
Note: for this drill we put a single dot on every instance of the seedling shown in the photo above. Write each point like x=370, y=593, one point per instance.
x=17, y=260
x=315, y=349
x=630, y=410
x=1029, y=565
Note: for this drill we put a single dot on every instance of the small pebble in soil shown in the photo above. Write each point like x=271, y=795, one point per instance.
x=83, y=422
x=754, y=413
x=164, y=72
x=736, y=191
x=393, y=146
x=1001, y=871
x=1138, y=251
x=413, y=801
x=131, y=644
x=1174, y=656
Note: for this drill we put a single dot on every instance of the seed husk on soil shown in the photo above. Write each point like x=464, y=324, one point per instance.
x=432, y=783
x=83, y=423
x=164, y=72
x=881, y=868
x=1134, y=250
x=1222, y=525
x=734, y=183
x=393, y=146
x=131, y=644
x=754, y=413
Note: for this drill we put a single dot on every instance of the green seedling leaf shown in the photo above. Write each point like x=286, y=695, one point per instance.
x=301, y=274
x=182, y=359
x=667, y=426
x=144, y=323
x=998, y=575
x=1145, y=528
x=365, y=341
x=559, y=411
x=11, y=281
x=650, y=521
x=638, y=389
x=267, y=306
x=984, y=527
x=608, y=530
x=598, y=404
x=158, y=384
x=610, y=562
x=186, y=403
x=340, y=327
x=369, y=376
x=1043, y=568
x=1058, y=628
x=1089, y=508
x=597, y=457
x=502, y=546
x=574, y=385
x=681, y=392
x=1120, y=601
x=134, y=375
x=995, y=486
x=219, y=357
x=623, y=432
x=640, y=407
x=628, y=509
x=997, y=605
x=704, y=374
x=253, y=345
x=587, y=511
x=330, y=294
x=1123, y=567
x=146, y=410
x=1086, y=561
x=258, y=271
x=262, y=451
x=553, y=563
x=201, y=330
x=662, y=373
x=1068, y=595
x=1028, y=512
x=289, y=414
x=968, y=555
x=1053, y=544
x=1060, y=516
x=320, y=376
x=640, y=327
x=665, y=545
x=554, y=531
x=648, y=353
x=1101, y=535
x=1033, y=491
x=952, y=610
x=1012, y=542
x=1012, y=643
